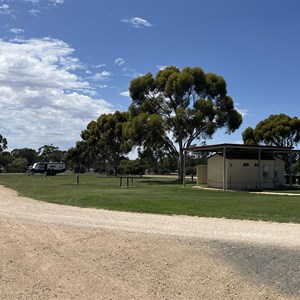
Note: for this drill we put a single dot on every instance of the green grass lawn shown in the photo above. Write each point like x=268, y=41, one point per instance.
x=154, y=195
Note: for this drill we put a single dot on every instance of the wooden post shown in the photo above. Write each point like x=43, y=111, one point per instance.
x=183, y=167
x=291, y=162
x=259, y=169
x=224, y=168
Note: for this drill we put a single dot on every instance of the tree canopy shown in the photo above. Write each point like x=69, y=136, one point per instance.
x=29, y=154
x=106, y=139
x=176, y=107
x=50, y=153
x=276, y=130
x=3, y=143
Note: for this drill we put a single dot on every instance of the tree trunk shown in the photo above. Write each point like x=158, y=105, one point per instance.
x=180, y=163
x=115, y=166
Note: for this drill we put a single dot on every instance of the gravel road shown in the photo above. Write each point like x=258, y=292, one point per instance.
x=58, y=252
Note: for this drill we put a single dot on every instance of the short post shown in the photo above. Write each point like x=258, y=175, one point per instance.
x=128, y=181
x=45, y=175
x=77, y=178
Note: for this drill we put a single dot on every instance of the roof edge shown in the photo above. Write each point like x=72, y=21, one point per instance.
x=218, y=147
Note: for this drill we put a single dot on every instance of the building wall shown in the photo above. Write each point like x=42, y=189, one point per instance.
x=279, y=172
x=245, y=173
x=215, y=171
x=201, y=174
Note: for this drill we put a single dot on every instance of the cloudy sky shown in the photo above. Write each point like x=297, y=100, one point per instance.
x=64, y=63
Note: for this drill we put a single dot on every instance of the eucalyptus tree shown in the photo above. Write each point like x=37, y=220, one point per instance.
x=50, y=153
x=106, y=139
x=3, y=144
x=79, y=158
x=276, y=130
x=182, y=106
x=29, y=154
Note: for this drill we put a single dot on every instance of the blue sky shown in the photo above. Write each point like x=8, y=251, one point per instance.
x=65, y=62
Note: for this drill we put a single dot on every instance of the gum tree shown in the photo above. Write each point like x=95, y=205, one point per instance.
x=276, y=130
x=3, y=146
x=105, y=138
x=183, y=106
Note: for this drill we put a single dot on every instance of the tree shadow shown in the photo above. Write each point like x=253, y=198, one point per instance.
x=165, y=182
x=160, y=182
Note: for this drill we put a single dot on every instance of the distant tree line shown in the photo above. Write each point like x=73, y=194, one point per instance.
x=19, y=160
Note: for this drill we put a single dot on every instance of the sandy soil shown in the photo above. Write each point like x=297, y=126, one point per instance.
x=57, y=252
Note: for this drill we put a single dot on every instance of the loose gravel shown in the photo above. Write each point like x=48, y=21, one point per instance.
x=53, y=251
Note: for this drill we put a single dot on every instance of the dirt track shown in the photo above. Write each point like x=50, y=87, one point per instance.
x=57, y=252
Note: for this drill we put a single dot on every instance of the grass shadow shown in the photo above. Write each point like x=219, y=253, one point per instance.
x=160, y=182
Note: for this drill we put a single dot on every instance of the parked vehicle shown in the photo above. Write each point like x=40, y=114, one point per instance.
x=48, y=168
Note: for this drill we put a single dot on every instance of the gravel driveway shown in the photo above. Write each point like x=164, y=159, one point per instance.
x=58, y=252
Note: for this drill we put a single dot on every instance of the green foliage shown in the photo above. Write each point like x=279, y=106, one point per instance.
x=19, y=164
x=248, y=136
x=3, y=146
x=106, y=138
x=155, y=195
x=50, y=153
x=29, y=154
x=3, y=143
x=157, y=161
x=296, y=166
x=133, y=167
x=186, y=104
x=20, y=159
x=6, y=158
x=79, y=157
x=276, y=130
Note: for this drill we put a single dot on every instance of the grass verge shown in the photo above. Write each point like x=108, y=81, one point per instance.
x=154, y=195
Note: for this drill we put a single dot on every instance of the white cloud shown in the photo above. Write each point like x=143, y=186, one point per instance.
x=103, y=76
x=41, y=101
x=34, y=12
x=57, y=2
x=137, y=22
x=131, y=72
x=16, y=30
x=120, y=61
x=99, y=66
x=160, y=67
x=5, y=10
x=125, y=94
x=33, y=1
